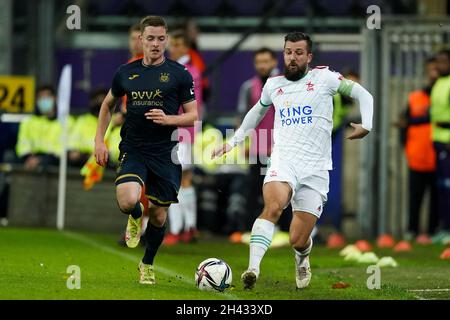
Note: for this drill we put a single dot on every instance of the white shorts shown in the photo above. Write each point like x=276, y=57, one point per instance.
x=309, y=189
x=185, y=155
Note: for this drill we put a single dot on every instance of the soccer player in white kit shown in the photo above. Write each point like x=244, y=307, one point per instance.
x=301, y=157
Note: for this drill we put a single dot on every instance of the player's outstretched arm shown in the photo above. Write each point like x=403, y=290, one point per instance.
x=104, y=117
x=251, y=120
x=185, y=119
x=365, y=101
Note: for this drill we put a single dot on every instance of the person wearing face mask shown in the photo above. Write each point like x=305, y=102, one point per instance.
x=38, y=143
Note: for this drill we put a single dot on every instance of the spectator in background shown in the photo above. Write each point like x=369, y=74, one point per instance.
x=134, y=44
x=440, y=121
x=265, y=63
x=183, y=215
x=39, y=140
x=197, y=60
x=81, y=145
x=136, y=53
x=420, y=153
x=113, y=139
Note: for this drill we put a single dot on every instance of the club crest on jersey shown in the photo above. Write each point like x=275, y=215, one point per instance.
x=164, y=77
x=310, y=86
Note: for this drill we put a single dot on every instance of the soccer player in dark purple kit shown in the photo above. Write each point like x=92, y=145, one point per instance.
x=155, y=88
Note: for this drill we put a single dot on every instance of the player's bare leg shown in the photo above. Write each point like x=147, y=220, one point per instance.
x=154, y=235
x=276, y=196
x=300, y=238
x=128, y=197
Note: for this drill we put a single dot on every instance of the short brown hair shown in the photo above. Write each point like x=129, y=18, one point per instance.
x=299, y=36
x=135, y=27
x=153, y=21
x=265, y=50
x=181, y=34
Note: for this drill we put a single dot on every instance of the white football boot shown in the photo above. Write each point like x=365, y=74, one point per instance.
x=302, y=272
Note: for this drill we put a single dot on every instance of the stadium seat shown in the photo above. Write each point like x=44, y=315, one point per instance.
x=248, y=8
x=199, y=7
x=108, y=7
x=297, y=8
x=330, y=7
x=153, y=7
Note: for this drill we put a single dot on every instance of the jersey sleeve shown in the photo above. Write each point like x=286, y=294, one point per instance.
x=265, y=99
x=333, y=81
x=117, y=89
x=187, y=92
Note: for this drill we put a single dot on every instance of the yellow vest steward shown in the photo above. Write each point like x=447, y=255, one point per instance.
x=113, y=140
x=440, y=109
x=38, y=134
x=340, y=111
x=83, y=134
x=210, y=139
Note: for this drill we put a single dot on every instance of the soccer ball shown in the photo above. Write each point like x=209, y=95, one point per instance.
x=213, y=275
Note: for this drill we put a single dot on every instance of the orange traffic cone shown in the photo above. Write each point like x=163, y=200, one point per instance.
x=363, y=245
x=445, y=254
x=423, y=239
x=335, y=240
x=403, y=246
x=385, y=241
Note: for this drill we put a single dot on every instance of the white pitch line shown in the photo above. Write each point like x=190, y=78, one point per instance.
x=431, y=290
x=168, y=272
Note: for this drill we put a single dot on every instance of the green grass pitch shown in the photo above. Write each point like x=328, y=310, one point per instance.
x=33, y=265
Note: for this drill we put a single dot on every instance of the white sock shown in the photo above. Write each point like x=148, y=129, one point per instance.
x=303, y=254
x=189, y=204
x=175, y=218
x=261, y=237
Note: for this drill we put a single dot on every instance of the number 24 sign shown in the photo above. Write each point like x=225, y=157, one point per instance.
x=16, y=94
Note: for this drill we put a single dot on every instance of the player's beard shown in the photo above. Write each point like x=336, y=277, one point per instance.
x=296, y=73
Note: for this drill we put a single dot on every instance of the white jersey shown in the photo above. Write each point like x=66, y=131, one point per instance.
x=303, y=118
